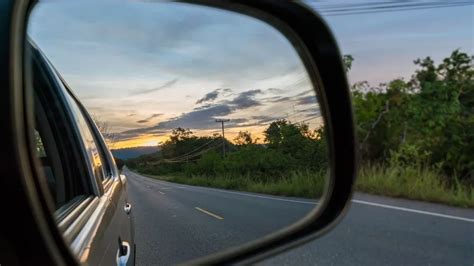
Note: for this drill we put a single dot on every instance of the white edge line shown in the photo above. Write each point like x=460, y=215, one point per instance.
x=354, y=200
x=414, y=211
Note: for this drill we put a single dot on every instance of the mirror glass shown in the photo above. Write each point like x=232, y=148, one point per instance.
x=210, y=115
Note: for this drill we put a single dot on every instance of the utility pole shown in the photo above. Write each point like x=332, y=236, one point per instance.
x=222, y=121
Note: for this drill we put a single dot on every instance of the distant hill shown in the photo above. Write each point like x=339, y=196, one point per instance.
x=127, y=153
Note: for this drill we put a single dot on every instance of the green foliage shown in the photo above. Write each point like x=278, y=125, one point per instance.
x=289, y=148
x=244, y=138
x=347, y=61
x=306, y=184
x=428, y=120
x=413, y=182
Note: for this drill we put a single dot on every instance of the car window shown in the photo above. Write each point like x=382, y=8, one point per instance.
x=57, y=143
x=93, y=134
x=55, y=155
x=95, y=156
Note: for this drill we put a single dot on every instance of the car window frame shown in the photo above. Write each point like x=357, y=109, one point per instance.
x=72, y=217
x=111, y=169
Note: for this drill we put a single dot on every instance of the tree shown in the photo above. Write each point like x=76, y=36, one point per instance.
x=106, y=131
x=243, y=138
x=180, y=134
x=273, y=134
x=427, y=120
x=347, y=62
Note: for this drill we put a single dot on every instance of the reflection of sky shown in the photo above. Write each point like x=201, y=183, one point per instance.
x=148, y=67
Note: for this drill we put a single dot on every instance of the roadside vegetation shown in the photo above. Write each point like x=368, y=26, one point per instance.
x=292, y=162
x=416, y=140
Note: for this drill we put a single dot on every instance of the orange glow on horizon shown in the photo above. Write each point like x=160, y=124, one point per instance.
x=153, y=140
x=150, y=140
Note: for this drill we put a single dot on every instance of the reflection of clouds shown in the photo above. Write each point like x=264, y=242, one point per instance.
x=203, y=117
x=240, y=110
x=211, y=96
x=246, y=99
x=305, y=100
x=163, y=86
x=128, y=72
x=148, y=119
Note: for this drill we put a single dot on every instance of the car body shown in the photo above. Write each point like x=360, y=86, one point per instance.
x=87, y=191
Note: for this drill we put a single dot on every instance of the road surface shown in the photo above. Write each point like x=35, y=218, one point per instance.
x=175, y=223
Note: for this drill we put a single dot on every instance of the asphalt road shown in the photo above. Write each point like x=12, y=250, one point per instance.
x=175, y=223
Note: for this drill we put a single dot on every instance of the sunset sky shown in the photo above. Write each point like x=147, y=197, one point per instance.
x=147, y=67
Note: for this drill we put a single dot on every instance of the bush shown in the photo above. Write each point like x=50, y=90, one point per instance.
x=419, y=183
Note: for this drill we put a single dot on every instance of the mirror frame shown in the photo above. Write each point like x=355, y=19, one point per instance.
x=319, y=52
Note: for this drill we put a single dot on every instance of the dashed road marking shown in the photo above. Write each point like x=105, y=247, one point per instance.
x=209, y=213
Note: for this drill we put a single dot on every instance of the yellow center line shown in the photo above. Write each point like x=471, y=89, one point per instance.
x=162, y=193
x=209, y=213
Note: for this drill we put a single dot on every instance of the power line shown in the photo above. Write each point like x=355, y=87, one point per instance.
x=190, y=154
x=380, y=7
x=184, y=160
x=198, y=148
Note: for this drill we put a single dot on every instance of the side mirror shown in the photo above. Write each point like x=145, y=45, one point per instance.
x=315, y=45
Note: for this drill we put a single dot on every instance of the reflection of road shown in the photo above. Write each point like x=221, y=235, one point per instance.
x=175, y=223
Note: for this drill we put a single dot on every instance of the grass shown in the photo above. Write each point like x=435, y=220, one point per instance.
x=296, y=184
x=417, y=183
x=403, y=182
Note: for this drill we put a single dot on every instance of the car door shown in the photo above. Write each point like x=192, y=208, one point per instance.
x=97, y=222
x=118, y=239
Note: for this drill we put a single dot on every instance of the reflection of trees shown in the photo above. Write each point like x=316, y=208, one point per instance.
x=106, y=131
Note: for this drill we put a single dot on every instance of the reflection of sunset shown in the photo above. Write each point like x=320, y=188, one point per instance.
x=153, y=140
x=252, y=77
x=139, y=141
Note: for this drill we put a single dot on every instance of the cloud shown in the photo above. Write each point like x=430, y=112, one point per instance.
x=312, y=112
x=146, y=120
x=209, y=97
x=279, y=99
x=304, y=93
x=202, y=117
x=164, y=86
x=307, y=100
x=263, y=119
x=245, y=99
x=274, y=90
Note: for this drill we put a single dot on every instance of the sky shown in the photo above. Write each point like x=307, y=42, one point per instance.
x=148, y=67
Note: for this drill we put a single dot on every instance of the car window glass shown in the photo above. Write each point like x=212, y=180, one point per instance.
x=62, y=181
x=39, y=146
x=92, y=149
